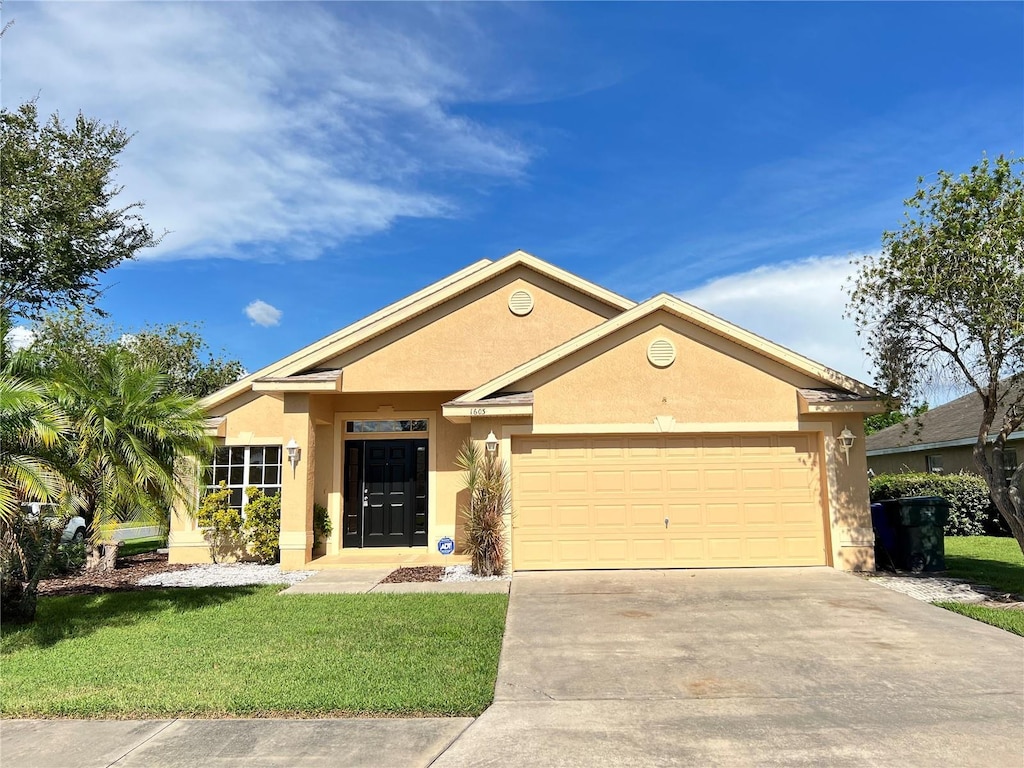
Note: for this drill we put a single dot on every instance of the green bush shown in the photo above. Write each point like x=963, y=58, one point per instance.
x=222, y=525
x=486, y=480
x=263, y=524
x=971, y=512
x=321, y=524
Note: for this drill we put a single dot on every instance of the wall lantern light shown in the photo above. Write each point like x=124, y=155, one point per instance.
x=294, y=453
x=846, y=438
x=491, y=443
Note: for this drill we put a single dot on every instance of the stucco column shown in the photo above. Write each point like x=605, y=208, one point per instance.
x=297, y=484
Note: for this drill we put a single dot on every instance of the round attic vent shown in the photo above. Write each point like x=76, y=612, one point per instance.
x=661, y=353
x=520, y=303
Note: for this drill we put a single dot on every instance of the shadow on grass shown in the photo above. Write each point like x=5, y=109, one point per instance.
x=1008, y=577
x=75, y=616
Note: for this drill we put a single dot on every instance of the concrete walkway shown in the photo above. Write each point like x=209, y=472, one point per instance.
x=352, y=581
x=763, y=667
x=382, y=743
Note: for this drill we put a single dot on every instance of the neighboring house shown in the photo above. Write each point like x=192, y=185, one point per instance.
x=637, y=435
x=941, y=440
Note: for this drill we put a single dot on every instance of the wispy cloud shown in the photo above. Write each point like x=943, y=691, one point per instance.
x=263, y=314
x=798, y=304
x=265, y=130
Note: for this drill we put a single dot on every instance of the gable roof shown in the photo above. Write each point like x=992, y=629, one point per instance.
x=698, y=317
x=395, y=314
x=955, y=423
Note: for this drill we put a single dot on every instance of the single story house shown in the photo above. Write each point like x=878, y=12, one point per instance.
x=643, y=435
x=942, y=439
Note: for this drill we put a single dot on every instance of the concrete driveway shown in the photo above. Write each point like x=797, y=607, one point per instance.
x=743, y=667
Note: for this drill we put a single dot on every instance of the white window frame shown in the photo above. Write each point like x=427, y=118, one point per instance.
x=267, y=488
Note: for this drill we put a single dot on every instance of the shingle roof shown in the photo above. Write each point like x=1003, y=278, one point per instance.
x=956, y=420
x=834, y=396
x=322, y=374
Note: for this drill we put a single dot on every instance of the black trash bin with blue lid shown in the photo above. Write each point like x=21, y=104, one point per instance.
x=885, y=522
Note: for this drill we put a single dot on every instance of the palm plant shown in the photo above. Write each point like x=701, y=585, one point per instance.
x=136, y=447
x=486, y=480
x=32, y=429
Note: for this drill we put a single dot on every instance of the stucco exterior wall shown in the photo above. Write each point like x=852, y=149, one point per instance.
x=712, y=381
x=470, y=339
x=958, y=458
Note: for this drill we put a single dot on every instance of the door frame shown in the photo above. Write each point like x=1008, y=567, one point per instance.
x=336, y=498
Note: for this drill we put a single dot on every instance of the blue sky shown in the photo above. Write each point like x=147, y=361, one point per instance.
x=327, y=159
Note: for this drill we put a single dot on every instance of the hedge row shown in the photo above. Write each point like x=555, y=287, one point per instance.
x=971, y=512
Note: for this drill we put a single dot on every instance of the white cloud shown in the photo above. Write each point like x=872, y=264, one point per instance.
x=263, y=314
x=264, y=130
x=20, y=337
x=798, y=304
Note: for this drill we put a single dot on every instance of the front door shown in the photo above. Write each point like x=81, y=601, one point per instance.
x=385, y=493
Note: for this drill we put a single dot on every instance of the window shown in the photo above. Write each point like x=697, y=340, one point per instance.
x=1009, y=463
x=933, y=463
x=242, y=467
x=387, y=425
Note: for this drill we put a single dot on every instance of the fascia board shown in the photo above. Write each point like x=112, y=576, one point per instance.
x=943, y=444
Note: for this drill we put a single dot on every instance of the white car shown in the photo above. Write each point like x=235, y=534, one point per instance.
x=74, y=531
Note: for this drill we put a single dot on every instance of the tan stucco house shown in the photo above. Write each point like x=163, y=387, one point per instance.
x=636, y=435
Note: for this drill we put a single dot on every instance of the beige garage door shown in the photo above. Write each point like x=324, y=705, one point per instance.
x=673, y=501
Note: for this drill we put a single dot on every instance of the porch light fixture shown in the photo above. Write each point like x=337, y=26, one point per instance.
x=491, y=443
x=294, y=453
x=846, y=438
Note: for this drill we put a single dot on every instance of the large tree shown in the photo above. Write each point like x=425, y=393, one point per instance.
x=61, y=224
x=177, y=350
x=944, y=302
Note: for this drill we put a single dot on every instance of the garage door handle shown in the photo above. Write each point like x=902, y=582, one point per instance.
x=666, y=522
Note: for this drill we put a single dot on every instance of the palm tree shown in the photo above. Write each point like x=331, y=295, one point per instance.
x=32, y=429
x=136, y=447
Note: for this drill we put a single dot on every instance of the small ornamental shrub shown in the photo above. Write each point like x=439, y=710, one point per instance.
x=486, y=480
x=222, y=525
x=971, y=512
x=263, y=525
x=321, y=525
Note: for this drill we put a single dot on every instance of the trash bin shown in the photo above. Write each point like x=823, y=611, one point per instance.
x=920, y=535
x=909, y=533
x=884, y=522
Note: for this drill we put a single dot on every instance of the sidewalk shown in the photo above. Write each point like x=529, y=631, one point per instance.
x=373, y=743
x=362, y=580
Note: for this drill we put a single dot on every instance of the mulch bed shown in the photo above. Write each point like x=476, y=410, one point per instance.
x=420, y=573
x=124, y=578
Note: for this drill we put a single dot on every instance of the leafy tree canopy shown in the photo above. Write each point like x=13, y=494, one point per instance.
x=177, y=350
x=880, y=421
x=942, y=303
x=61, y=227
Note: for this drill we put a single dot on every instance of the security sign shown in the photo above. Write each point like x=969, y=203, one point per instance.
x=445, y=545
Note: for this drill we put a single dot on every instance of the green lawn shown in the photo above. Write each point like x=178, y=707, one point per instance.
x=990, y=560
x=1004, y=618
x=250, y=652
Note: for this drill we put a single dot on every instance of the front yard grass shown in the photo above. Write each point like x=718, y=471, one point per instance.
x=1005, y=618
x=990, y=560
x=250, y=652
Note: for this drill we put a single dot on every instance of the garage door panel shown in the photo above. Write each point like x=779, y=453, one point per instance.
x=731, y=500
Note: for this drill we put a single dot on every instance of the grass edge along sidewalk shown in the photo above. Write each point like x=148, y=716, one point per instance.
x=993, y=561
x=247, y=652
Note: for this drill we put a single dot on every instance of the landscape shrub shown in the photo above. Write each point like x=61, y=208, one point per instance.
x=486, y=480
x=222, y=525
x=971, y=512
x=263, y=525
x=321, y=525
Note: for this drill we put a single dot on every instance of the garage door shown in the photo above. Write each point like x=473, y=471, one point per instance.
x=672, y=501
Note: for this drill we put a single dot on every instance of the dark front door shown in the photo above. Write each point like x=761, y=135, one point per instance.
x=385, y=493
